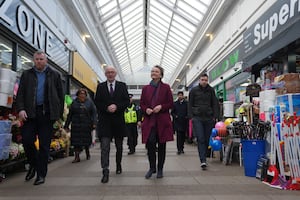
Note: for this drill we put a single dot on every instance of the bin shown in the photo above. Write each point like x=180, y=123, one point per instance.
x=251, y=151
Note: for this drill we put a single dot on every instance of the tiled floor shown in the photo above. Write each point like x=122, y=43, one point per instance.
x=183, y=180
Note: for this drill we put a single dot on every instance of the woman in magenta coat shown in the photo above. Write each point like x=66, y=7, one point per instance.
x=156, y=102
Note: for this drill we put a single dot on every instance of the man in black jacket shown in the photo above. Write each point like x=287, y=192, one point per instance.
x=111, y=100
x=180, y=120
x=40, y=103
x=203, y=109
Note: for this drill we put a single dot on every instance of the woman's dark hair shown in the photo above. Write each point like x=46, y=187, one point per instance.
x=80, y=90
x=161, y=70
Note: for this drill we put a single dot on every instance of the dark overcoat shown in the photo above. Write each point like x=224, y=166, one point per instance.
x=180, y=115
x=82, y=116
x=150, y=97
x=111, y=124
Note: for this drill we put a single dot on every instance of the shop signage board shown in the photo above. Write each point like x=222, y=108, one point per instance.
x=227, y=63
x=277, y=19
x=83, y=72
x=18, y=18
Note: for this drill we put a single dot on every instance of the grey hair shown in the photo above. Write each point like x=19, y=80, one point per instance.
x=40, y=51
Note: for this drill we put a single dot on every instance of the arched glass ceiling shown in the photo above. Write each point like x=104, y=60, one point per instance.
x=144, y=33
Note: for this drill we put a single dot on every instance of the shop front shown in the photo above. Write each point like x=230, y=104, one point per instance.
x=272, y=43
x=22, y=32
x=272, y=55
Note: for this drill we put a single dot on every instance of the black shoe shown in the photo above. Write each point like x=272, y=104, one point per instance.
x=87, y=153
x=178, y=152
x=105, y=178
x=203, y=166
x=39, y=180
x=119, y=169
x=149, y=173
x=30, y=174
x=182, y=151
x=159, y=174
x=130, y=152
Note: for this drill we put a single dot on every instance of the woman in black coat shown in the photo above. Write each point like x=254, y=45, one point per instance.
x=83, y=118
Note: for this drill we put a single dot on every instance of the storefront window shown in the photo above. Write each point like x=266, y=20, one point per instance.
x=236, y=87
x=5, y=53
x=24, y=61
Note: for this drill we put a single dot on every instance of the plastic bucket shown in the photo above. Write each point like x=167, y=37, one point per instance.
x=252, y=150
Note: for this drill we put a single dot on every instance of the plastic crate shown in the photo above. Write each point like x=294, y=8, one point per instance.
x=4, y=153
x=5, y=140
x=5, y=126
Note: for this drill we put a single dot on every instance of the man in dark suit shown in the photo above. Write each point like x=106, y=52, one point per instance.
x=111, y=101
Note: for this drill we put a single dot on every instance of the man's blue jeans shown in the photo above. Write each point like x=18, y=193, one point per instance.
x=202, y=131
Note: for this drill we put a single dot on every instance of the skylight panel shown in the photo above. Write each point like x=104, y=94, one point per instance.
x=182, y=30
x=113, y=26
x=185, y=23
x=112, y=20
x=115, y=32
x=109, y=8
x=100, y=3
x=181, y=38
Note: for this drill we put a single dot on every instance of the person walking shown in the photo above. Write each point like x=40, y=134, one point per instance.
x=111, y=100
x=83, y=119
x=39, y=102
x=203, y=110
x=156, y=102
x=180, y=119
x=133, y=120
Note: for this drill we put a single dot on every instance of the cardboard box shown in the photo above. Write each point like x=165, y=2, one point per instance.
x=290, y=101
x=291, y=83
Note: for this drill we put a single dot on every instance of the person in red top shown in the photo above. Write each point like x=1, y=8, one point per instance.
x=156, y=102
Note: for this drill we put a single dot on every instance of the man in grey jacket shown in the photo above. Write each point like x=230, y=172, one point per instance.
x=40, y=103
x=203, y=109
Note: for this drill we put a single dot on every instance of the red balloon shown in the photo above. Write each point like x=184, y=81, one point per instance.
x=222, y=132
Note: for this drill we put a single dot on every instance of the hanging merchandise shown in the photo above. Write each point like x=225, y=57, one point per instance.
x=251, y=131
x=68, y=100
x=284, y=168
x=278, y=179
x=292, y=149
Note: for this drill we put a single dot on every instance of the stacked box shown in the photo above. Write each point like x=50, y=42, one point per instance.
x=291, y=102
x=7, y=83
x=5, y=126
x=4, y=153
x=5, y=138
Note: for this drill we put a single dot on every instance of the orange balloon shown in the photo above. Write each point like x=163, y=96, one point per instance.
x=222, y=132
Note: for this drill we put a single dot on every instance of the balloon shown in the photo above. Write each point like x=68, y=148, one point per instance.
x=16, y=87
x=228, y=121
x=216, y=145
x=222, y=132
x=220, y=125
x=68, y=100
x=210, y=140
x=214, y=132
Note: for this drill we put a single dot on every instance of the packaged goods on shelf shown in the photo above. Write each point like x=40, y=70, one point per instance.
x=290, y=101
x=291, y=83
